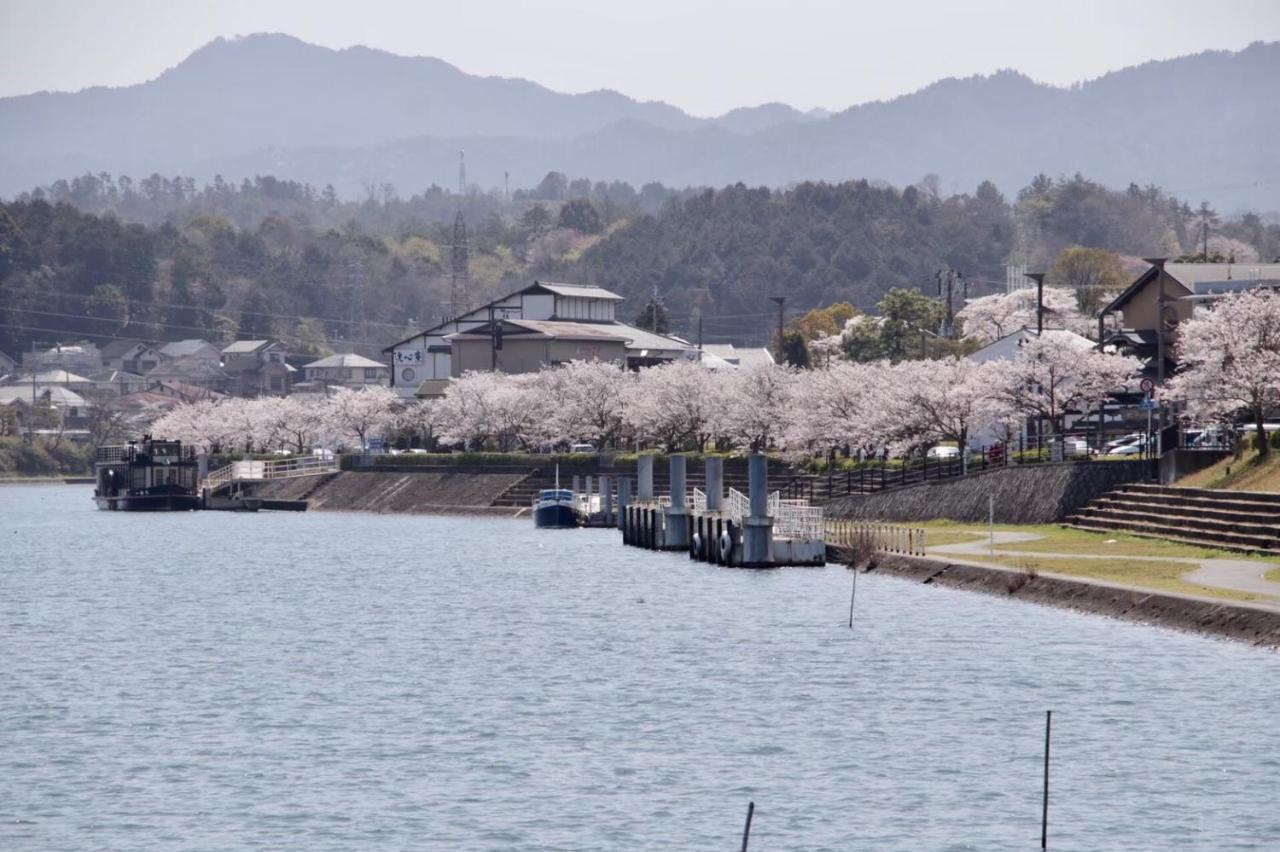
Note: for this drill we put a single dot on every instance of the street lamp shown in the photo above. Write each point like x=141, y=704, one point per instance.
x=1038, y=277
x=779, y=301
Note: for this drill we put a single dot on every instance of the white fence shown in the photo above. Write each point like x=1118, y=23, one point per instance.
x=239, y=471
x=886, y=538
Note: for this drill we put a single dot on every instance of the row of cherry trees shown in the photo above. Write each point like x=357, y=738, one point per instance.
x=683, y=406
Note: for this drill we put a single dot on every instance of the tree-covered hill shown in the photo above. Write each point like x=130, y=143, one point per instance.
x=165, y=259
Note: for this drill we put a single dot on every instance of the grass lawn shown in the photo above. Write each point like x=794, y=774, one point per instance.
x=1058, y=539
x=1273, y=575
x=1163, y=576
x=1244, y=474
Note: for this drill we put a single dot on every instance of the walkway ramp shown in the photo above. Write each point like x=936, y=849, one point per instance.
x=259, y=471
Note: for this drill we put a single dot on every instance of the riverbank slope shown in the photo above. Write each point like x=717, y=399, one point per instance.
x=1240, y=622
x=422, y=492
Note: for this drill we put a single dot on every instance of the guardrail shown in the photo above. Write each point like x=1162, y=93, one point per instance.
x=885, y=538
x=240, y=471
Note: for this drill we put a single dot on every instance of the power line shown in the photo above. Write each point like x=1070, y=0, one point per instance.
x=153, y=304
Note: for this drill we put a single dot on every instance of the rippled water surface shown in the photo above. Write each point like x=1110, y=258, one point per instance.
x=333, y=681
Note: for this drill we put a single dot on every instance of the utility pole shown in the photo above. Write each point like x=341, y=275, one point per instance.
x=951, y=281
x=1204, y=232
x=1158, y=263
x=1038, y=277
x=780, y=301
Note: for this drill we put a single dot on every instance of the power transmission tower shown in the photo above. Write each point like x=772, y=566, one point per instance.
x=459, y=268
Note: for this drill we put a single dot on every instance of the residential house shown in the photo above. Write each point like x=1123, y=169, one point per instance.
x=257, y=368
x=1135, y=327
x=83, y=357
x=548, y=323
x=740, y=356
x=7, y=365
x=181, y=391
x=131, y=356
x=71, y=408
x=194, y=369
x=194, y=349
x=1006, y=348
x=345, y=370
x=62, y=378
x=117, y=382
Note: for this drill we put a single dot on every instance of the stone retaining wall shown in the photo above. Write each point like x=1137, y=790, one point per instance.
x=421, y=492
x=1238, y=622
x=1024, y=494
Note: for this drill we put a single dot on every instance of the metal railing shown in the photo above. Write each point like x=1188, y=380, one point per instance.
x=794, y=519
x=240, y=471
x=886, y=538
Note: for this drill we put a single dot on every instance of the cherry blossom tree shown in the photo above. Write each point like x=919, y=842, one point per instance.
x=358, y=413
x=759, y=405
x=681, y=404
x=844, y=405
x=989, y=318
x=1230, y=358
x=1058, y=374
x=943, y=400
x=588, y=400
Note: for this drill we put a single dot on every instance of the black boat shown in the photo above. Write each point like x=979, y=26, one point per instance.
x=554, y=509
x=147, y=476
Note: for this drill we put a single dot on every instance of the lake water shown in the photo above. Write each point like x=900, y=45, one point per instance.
x=331, y=681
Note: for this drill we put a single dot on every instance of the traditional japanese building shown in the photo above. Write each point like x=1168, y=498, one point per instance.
x=540, y=326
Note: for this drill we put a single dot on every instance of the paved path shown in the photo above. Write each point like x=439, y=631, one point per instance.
x=1240, y=575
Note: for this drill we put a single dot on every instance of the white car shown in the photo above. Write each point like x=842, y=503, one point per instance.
x=1137, y=448
x=943, y=452
x=1132, y=438
x=582, y=448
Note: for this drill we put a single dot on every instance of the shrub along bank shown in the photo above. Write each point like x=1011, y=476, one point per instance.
x=44, y=458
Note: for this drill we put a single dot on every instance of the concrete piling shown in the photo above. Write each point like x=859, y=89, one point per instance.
x=675, y=525
x=715, y=483
x=644, y=470
x=624, y=500
x=757, y=528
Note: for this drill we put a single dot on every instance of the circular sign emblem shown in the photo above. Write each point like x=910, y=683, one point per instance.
x=407, y=374
x=1147, y=386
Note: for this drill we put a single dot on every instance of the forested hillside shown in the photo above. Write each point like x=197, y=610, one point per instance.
x=283, y=259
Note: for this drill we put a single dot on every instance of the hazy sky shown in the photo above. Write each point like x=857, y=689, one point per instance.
x=706, y=57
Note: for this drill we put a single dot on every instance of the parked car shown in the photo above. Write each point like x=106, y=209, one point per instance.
x=582, y=448
x=1075, y=446
x=1131, y=438
x=943, y=452
x=1137, y=448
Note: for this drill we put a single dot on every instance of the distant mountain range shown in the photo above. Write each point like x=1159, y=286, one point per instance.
x=1203, y=127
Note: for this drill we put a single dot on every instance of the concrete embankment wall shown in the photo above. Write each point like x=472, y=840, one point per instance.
x=1238, y=622
x=1024, y=494
x=380, y=491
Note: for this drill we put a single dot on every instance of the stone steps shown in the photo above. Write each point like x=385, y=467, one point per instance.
x=1229, y=520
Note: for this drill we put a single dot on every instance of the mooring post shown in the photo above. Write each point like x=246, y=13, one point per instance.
x=606, y=500
x=587, y=490
x=624, y=498
x=715, y=483
x=676, y=516
x=644, y=470
x=746, y=831
x=1044, y=816
x=757, y=528
x=577, y=484
x=853, y=595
